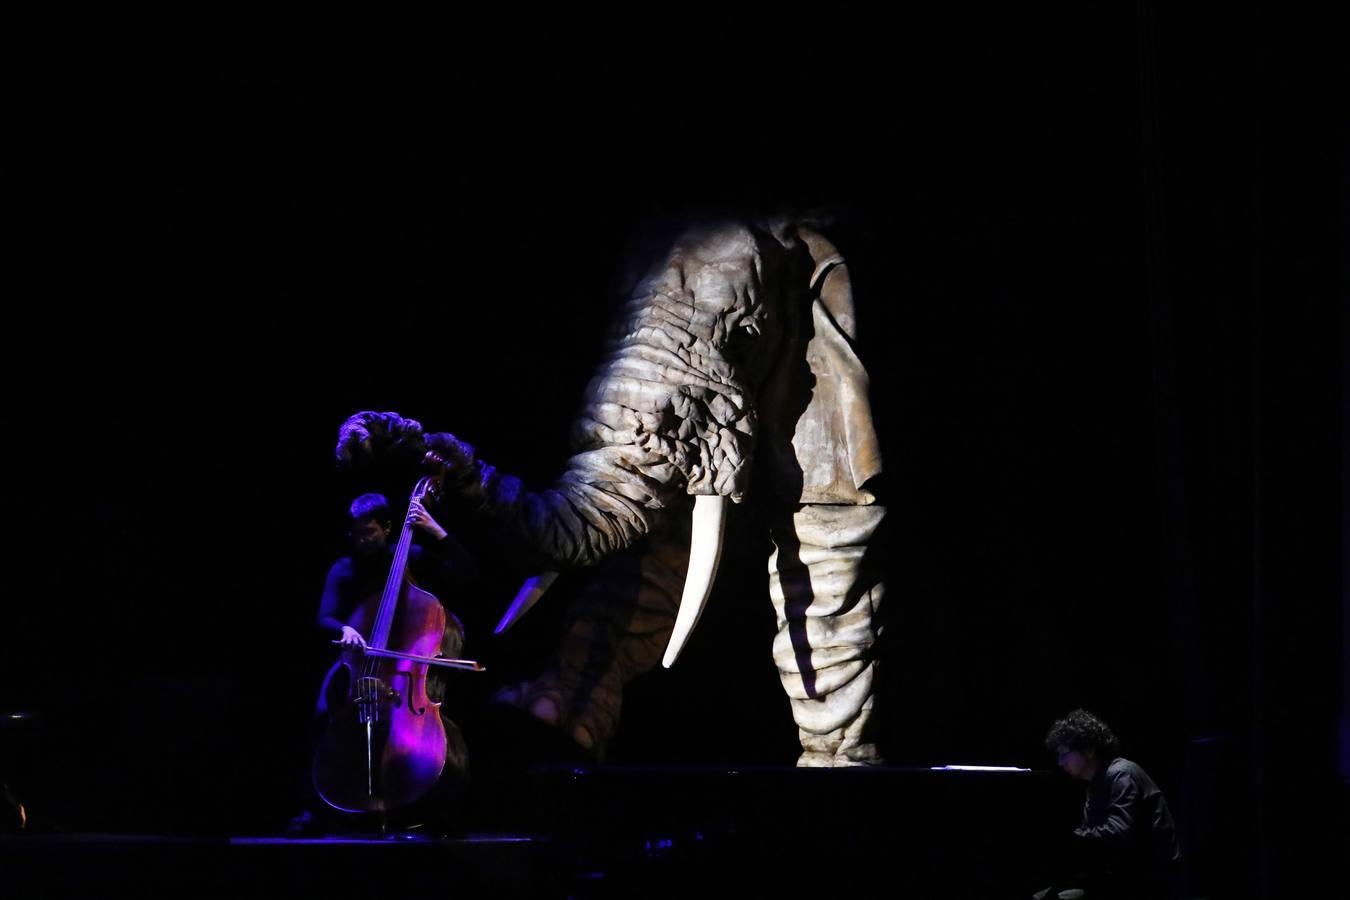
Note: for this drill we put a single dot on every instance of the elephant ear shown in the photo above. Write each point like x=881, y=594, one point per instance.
x=834, y=439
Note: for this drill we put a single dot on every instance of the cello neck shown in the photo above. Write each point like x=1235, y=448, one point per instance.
x=393, y=586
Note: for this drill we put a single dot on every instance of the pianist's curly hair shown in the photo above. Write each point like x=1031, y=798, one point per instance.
x=1082, y=731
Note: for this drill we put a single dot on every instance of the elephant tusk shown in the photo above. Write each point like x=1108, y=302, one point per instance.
x=705, y=552
x=528, y=595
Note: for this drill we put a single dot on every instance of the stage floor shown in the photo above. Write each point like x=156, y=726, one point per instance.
x=596, y=832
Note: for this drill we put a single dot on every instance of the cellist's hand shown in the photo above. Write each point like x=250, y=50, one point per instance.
x=420, y=518
x=351, y=637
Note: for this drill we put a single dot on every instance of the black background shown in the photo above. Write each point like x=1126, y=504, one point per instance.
x=1092, y=264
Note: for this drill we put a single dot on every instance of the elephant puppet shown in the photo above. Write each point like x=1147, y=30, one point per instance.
x=735, y=346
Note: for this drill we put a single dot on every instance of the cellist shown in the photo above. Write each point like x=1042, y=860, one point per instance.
x=441, y=562
x=437, y=561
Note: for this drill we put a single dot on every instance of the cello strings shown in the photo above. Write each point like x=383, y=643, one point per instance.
x=379, y=637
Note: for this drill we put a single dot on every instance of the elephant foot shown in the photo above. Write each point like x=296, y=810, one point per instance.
x=545, y=703
x=813, y=760
x=850, y=745
x=545, y=709
x=857, y=755
x=582, y=735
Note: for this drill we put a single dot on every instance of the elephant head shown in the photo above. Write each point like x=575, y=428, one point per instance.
x=731, y=357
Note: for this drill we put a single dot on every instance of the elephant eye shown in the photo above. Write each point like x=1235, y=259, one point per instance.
x=742, y=338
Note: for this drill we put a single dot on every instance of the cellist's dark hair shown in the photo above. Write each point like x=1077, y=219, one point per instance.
x=372, y=506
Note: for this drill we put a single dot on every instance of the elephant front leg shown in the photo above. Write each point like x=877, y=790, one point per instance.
x=618, y=629
x=826, y=597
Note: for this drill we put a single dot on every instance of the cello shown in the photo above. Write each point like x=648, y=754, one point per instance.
x=385, y=742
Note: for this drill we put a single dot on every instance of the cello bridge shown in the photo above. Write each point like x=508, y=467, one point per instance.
x=371, y=693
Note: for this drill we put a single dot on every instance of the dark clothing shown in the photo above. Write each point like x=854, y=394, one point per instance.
x=442, y=568
x=1127, y=842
